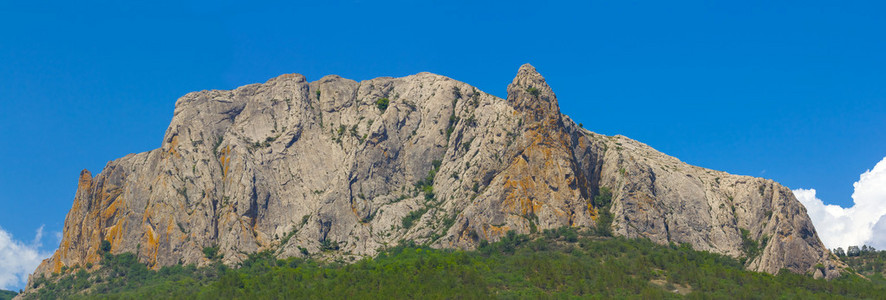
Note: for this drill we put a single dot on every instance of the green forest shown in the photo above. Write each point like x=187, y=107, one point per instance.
x=4, y=294
x=563, y=263
x=866, y=260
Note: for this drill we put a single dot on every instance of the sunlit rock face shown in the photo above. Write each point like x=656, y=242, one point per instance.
x=301, y=167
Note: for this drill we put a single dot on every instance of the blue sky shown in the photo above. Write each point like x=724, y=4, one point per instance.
x=794, y=91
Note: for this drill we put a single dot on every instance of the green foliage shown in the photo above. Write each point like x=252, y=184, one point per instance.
x=451, y=127
x=211, y=252
x=533, y=91
x=354, y=132
x=382, y=104
x=868, y=262
x=413, y=216
x=105, y=246
x=570, y=234
x=263, y=144
x=603, y=203
x=471, y=121
x=123, y=276
x=327, y=245
x=6, y=295
x=217, y=143
x=285, y=239
x=448, y=222
x=532, y=228
x=749, y=246
x=561, y=263
x=426, y=185
x=603, y=198
x=368, y=218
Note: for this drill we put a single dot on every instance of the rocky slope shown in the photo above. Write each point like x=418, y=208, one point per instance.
x=301, y=167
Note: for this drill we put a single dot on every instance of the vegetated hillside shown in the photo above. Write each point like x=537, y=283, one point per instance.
x=6, y=295
x=302, y=167
x=866, y=261
x=558, y=263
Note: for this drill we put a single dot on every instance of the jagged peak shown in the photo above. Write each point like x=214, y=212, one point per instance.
x=531, y=94
x=85, y=176
x=528, y=76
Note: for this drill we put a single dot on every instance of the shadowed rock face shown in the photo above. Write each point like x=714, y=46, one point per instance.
x=290, y=165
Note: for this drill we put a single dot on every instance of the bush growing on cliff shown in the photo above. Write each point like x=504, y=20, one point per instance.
x=382, y=104
x=105, y=246
x=603, y=203
x=211, y=252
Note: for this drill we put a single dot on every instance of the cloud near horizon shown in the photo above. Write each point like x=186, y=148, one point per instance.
x=18, y=259
x=862, y=224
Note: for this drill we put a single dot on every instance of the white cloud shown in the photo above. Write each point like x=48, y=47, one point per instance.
x=18, y=259
x=878, y=240
x=862, y=224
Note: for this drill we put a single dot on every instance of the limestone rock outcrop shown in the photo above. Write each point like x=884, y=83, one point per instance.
x=305, y=167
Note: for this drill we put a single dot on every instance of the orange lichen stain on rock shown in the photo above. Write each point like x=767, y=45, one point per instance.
x=521, y=194
x=147, y=215
x=172, y=145
x=151, y=244
x=492, y=231
x=85, y=182
x=150, y=237
x=76, y=205
x=169, y=230
x=112, y=208
x=64, y=247
x=108, y=194
x=57, y=265
x=354, y=210
x=225, y=161
x=517, y=192
x=83, y=187
x=592, y=212
x=463, y=234
x=113, y=233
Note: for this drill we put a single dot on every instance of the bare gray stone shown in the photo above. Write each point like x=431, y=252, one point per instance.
x=289, y=165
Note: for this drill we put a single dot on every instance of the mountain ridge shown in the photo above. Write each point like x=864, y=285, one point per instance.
x=302, y=167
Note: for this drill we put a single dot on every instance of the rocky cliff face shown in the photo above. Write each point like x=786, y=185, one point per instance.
x=301, y=167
